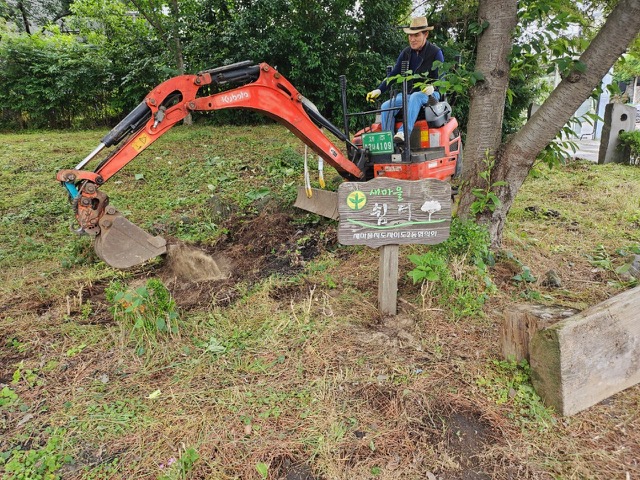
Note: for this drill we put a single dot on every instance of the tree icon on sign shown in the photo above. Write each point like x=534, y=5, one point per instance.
x=356, y=200
x=431, y=207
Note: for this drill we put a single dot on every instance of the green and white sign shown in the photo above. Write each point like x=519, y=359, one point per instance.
x=387, y=211
x=378, y=142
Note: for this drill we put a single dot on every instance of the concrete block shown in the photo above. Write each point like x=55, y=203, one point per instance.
x=617, y=118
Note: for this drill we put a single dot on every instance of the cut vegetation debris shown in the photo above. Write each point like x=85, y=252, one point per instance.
x=275, y=363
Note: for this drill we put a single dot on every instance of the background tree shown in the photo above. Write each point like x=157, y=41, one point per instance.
x=52, y=82
x=514, y=158
x=171, y=21
x=30, y=15
x=627, y=70
x=145, y=42
x=313, y=43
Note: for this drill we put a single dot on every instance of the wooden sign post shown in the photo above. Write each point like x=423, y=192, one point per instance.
x=386, y=212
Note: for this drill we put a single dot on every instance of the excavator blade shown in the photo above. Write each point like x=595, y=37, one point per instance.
x=321, y=202
x=122, y=244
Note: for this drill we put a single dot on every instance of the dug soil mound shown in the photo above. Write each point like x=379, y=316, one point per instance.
x=252, y=249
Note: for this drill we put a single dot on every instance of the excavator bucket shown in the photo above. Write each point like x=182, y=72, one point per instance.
x=320, y=202
x=122, y=244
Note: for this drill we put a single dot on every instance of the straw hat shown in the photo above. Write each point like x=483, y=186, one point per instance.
x=418, y=24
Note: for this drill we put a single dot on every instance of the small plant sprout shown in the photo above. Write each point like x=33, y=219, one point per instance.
x=263, y=469
x=486, y=199
x=148, y=312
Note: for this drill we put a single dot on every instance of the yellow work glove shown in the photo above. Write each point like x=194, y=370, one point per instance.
x=373, y=94
x=428, y=90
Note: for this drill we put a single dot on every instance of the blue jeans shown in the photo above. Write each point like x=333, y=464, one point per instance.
x=414, y=104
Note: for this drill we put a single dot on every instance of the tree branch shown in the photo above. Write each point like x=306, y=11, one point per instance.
x=620, y=29
x=152, y=19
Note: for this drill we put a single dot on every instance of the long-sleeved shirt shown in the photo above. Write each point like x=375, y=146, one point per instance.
x=420, y=61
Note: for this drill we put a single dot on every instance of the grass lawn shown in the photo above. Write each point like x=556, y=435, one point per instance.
x=281, y=367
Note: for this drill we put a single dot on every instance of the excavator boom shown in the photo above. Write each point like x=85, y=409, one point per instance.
x=122, y=244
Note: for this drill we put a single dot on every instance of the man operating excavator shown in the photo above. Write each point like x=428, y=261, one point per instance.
x=418, y=57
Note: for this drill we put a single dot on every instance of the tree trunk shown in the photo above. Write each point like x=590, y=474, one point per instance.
x=177, y=43
x=486, y=110
x=177, y=49
x=487, y=97
x=25, y=17
x=515, y=158
x=168, y=31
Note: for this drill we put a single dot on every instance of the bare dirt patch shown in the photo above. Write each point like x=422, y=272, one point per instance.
x=253, y=249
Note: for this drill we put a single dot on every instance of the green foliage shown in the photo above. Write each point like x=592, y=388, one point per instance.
x=428, y=267
x=138, y=59
x=53, y=81
x=263, y=469
x=631, y=141
x=26, y=376
x=486, y=199
x=524, y=276
x=115, y=57
x=41, y=463
x=137, y=52
x=455, y=78
x=179, y=469
x=7, y=397
x=540, y=49
x=454, y=272
x=28, y=16
x=59, y=80
x=109, y=419
x=628, y=67
x=468, y=240
x=601, y=258
x=101, y=471
x=300, y=38
x=509, y=383
x=614, y=263
x=559, y=151
x=147, y=311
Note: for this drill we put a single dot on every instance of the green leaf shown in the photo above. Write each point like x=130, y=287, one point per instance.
x=258, y=193
x=153, y=395
x=580, y=66
x=214, y=346
x=161, y=324
x=263, y=469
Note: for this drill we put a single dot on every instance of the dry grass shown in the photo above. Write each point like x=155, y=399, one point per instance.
x=287, y=363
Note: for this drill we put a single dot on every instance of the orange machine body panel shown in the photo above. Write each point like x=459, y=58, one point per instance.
x=436, y=152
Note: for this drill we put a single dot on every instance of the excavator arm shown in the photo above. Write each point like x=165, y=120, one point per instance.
x=122, y=244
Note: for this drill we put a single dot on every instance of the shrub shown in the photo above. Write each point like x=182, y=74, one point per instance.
x=53, y=82
x=147, y=311
x=454, y=272
x=631, y=140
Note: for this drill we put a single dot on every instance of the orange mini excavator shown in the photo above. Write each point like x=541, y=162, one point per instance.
x=432, y=151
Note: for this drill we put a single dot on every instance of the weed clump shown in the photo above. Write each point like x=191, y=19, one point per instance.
x=147, y=312
x=41, y=463
x=509, y=382
x=454, y=272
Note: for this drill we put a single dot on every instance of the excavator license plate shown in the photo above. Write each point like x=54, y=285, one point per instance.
x=378, y=143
